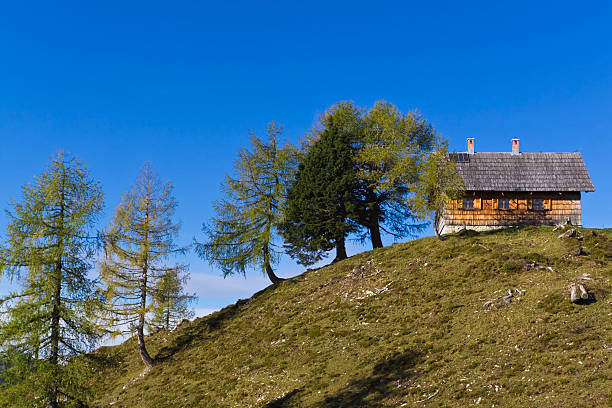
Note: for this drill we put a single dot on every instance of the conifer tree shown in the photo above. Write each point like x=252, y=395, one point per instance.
x=51, y=317
x=170, y=302
x=140, y=240
x=323, y=198
x=243, y=233
x=393, y=148
x=406, y=168
x=438, y=182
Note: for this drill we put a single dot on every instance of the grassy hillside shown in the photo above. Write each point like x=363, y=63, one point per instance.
x=398, y=326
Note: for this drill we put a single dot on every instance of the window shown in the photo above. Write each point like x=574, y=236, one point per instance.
x=468, y=203
x=503, y=204
x=537, y=204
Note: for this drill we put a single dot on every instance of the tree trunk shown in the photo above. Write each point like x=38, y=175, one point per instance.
x=168, y=316
x=437, y=226
x=144, y=354
x=340, y=249
x=270, y=272
x=373, y=219
x=55, y=333
x=375, y=234
x=57, y=302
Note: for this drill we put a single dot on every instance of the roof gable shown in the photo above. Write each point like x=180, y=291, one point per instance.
x=523, y=172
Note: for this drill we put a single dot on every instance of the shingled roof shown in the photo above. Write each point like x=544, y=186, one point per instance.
x=523, y=172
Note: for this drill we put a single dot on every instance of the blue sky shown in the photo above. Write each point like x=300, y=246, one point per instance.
x=181, y=83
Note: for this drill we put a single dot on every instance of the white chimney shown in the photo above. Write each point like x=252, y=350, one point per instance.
x=515, y=146
x=470, y=145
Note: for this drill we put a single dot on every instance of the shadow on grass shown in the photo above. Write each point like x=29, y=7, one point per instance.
x=381, y=384
x=284, y=401
x=102, y=360
x=197, y=330
x=370, y=391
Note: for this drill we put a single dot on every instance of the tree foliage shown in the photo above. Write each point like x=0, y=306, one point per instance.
x=170, y=303
x=365, y=165
x=52, y=316
x=243, y=232
x=438, y=183
x=322, y=199
x=390, y=160
x=140, y=241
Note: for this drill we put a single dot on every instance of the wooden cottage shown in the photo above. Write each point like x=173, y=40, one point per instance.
x=515, y=188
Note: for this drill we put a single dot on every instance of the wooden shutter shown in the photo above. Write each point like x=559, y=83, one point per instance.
x=529, y=204
x=547, y=204
x=460, y=204
x=513, y=203
x=496, y=203
x=478, y=203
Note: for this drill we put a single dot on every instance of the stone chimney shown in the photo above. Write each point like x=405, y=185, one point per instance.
x=515, y=146
x=470, y=145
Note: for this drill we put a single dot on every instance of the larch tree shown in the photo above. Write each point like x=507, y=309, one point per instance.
x=51, y=316
x=243, y=233
x=438, y=183
x=393, y=150
x=139, y=242
x=322, y=199
x=170, y=303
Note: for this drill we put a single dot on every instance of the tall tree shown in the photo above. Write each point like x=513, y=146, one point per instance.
x=243, y=233
x=51, y=317
x=170, y=302
x=140, y=240
x=321, y=202
x=438, y=182
x=393, y=147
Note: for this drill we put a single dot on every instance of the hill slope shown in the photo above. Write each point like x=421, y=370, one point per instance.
x=398, y=326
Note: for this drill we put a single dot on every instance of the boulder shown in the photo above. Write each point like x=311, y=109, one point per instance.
x=568, y=234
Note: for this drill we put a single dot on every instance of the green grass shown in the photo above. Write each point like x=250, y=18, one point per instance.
x=392, y=332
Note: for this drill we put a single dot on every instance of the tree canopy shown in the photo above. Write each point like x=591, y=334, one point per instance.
x=52, y=317
x=243, y=232
x=361, y=169
x=322, y=199
x=438, y=183
x=170, y=303
x=140, y=241
x=391, y=159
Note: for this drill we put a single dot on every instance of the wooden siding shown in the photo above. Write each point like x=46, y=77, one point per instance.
x=558, y=208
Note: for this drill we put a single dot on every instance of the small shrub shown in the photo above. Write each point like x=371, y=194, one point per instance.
x=314, y=332
x=511, y=267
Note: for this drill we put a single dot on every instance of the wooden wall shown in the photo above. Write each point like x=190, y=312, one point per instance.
x=560, y=207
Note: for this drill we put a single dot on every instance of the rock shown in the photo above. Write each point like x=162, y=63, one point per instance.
x=574, y=297
x=568, y=234
x=584, y=295
x=530, y=266
x=561, y=226
x=508, y=297
x=578, y=252
x=182, y=322
x=578, y=293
